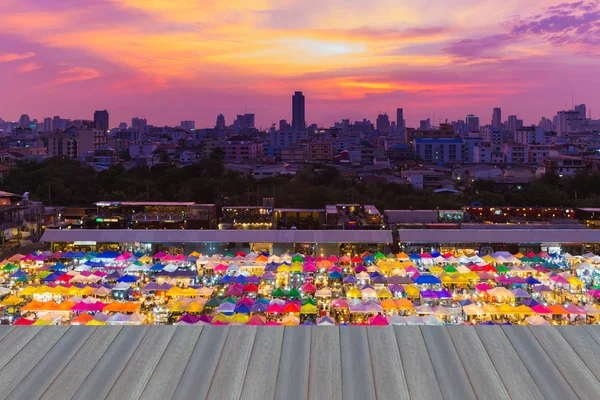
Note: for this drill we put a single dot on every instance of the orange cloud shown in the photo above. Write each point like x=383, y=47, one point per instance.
x=74, y=74
x=29, y=67
x=5, y=57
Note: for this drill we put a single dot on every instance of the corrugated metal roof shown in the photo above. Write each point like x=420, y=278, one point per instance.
x=249, y=362
x=215, y=236
x=517, y=235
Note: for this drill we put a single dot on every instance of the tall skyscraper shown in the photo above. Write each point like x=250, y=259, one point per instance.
x=47, y=124
x=581, y=109
x=220, y=122
x=139, y=125
x=472, y=122
x=425, y=124
x=400, y=125
x=512, y=123
x=383, y=123
x=101, y=119
x=24, y=121
x=497, y=118
x=298, y=112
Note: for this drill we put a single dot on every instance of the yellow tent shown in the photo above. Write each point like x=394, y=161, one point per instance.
x=459, y=279
x=145, y=259
x=524, y=310
x=195, y=307
x=384, y=294
x=43, y=322
x=507, y=309
x=436, y=270
x=574, y=281
x=28, y=291
x=488, y=259
x=296, y=267
x=490, y=309
x=11, y=301
x=308, y=309
x=353, y=293
x=96, y=322
x=194, y=254
x=472, y=276
x=412, y=291
x=238, y=319
x=284, y=268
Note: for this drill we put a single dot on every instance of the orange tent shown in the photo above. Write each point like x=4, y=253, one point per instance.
x=404, y=304
x=116, y=306
x=82, y=319
x=557, y=309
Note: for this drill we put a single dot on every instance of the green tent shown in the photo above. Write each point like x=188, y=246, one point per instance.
x=451, y=269
x=279, y=292
x=502, y=269
x=231, y=300
x=392, y=256
x=293, y=293
x=43, y=274
x=378, y=255
x=309, y=301
x=214, y=302
x=297, y=258
x=10, y=267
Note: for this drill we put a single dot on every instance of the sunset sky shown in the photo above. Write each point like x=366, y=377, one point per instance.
x=169, y=60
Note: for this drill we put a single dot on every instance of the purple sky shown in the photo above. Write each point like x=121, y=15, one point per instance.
x=172, y=60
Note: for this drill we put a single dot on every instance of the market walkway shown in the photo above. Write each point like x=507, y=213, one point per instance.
x=250, y=362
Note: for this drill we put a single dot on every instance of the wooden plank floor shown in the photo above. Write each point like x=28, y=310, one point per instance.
x=243, y=362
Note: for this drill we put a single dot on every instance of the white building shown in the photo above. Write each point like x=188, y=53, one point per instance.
x=515, y=153
x=530, y=135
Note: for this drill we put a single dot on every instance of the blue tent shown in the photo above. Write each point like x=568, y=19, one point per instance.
x=157, y=267
x=368, y=258
x=18, y=275
x=58, y=267
x=240, y=279
x=227, y=279
x=427, y=280
x=128, y=279
x=436, y=254
x=335, y=275
x=69, y=254
x=532, y=281
x=52, y=277
x=108, y=254
x=94, y=264
x=242, y=308
x=259, y=306
x=350, y=279
x=466, y=302
x=415, y=257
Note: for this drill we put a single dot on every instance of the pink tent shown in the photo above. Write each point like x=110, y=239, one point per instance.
x=275, y=308
x=273, y=323
x=540, y=309
x=256, y=320
x=160, y=255
x=339, y=303
x=180, y=258
x=123, y=257
x=483, y=287
x=595, y=293
x=221, y=268
x=309, y=288
x=378, y=320
x=235, y=290
x=309, y=267
x=333, y=259
x=573, y=309
x=559, y=279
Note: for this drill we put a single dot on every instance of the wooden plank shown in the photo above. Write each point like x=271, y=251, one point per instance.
x=261, y=376
x=103, y=376
x=195, y=381
x=72, y=376
x=24, y=361
x=594, y=331
x=388, y=373
x=228, y=379
x=357, y=373
x=294, y=364
x=134, y=377
x=517, y=380
x=449, y=371
x=325, y=375
x=477, y=364
x=584, y=345
x=43, y=373
x=170, y=368
x=14, y=341
x=549, y=379
x=418, y=370
x=573, y=369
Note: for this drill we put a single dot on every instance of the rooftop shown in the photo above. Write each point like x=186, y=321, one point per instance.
x=212, y=362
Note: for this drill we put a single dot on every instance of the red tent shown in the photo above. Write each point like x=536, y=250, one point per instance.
x=24, y=321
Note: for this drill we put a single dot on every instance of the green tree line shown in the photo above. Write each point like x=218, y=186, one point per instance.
x=69, y=183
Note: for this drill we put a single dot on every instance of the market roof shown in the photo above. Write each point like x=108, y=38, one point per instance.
x=216, y=236
x=159, y=362
x=504, y=235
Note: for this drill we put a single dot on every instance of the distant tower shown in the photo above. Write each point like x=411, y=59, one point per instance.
x=383, y=123
x=101, y=120
x=220, y=122
x=298, y=112
x=400, y=125
x=24, y=121
x=472, y=122
x=497, y=118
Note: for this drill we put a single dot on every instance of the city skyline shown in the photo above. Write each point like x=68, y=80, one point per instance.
x=452, y=60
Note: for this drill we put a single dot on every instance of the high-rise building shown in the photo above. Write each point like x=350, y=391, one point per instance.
x=497, y=118
x=59, y=123
x=512, y=123
x=546, y=124
x=24, y=121
x=123, y=125
x=298, y=112
x=220, y=122
x=188, y=125
x=383, y=123
x=139, y=125
x=244, y=121
x=472, y=122
x=101, y=120
x=425, y=124
x=567, y=122
x=581, y=109
x=400, y=124
x=47, y=124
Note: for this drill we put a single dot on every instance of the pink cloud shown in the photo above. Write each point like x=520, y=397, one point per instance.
x=6, y=57
x=74, y=74
x=29, y=67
